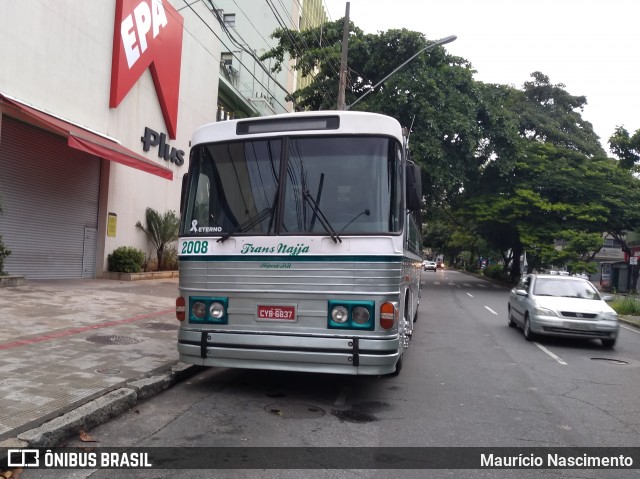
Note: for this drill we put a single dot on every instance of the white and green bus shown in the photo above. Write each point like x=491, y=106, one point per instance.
x=300, y=244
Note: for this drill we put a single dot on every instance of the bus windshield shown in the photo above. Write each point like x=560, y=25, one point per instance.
x=332, y=185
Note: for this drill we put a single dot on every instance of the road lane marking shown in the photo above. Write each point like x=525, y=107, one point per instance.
x=490, y=310
x=470, y=295
x=630, y=328
x=546, y=351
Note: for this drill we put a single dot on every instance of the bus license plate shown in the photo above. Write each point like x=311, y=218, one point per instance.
x=272, y=312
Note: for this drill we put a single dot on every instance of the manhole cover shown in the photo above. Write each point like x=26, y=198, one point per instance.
x=160, y=326
x=294, y=410
x=612, y=361
x=112, y=339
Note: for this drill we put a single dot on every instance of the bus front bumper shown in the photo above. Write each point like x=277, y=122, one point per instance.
x=317, y=353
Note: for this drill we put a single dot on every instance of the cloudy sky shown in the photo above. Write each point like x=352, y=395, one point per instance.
x=591, y=46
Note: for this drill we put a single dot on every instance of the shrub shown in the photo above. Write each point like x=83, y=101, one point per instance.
x=170, y=259
x=626, y=305
x=126, y=259
x=496, y=271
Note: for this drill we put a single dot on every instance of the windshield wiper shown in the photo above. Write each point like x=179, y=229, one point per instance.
x=323, y=219
x=250, y=223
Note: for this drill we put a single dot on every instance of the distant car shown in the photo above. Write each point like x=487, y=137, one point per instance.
x=429, y=265
x=566, y=306
x=440, y=264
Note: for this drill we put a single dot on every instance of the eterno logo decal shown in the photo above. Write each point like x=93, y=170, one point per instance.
x=148, y=34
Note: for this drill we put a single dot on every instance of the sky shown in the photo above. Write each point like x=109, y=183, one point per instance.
x=590, y=46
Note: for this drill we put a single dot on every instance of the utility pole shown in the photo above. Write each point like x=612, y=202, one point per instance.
x=342, y=86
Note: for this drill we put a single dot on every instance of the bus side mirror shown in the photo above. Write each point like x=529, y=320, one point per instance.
x=414, y=187
x=183, y=191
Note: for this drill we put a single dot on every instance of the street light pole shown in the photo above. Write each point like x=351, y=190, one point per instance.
x=442, y=41
x=342, y=86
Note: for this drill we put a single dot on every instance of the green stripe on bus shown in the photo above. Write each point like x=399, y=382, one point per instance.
x=319, y=258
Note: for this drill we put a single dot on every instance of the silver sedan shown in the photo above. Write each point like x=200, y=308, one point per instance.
x=429, y=265
x=561, y=306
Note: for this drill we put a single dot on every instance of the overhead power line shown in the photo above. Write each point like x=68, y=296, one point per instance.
x=190, y=6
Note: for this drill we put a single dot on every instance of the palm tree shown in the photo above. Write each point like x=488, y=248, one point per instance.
x=160, y=230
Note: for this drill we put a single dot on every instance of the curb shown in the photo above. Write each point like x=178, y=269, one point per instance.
x=148, y=275
x=629, y=322
x=100, y=410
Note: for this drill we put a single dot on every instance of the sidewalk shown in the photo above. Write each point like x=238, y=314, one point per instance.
x=74, y=353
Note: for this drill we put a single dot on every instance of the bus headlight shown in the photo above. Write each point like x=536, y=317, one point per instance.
x=340, y=314
x=216, y=310
x=199, y=310
x=360, y=315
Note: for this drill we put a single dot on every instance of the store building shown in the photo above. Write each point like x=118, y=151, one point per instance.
x=98, y=101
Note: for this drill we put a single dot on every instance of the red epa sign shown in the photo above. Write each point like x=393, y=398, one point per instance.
x=148, y=34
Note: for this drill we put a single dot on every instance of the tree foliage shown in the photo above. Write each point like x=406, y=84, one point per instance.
x=626, y=147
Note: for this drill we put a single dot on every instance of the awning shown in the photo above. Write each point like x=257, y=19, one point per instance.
x=86, y=140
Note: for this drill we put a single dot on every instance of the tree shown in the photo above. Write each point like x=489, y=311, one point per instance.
x=626, y=148
x=521, y=197
x=553, y=115
x=553, y=193
x=160, y=230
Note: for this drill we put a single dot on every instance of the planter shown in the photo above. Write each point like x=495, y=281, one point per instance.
x=141, y=276
x=12, y=280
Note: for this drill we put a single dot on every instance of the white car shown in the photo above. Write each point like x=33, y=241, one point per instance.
x=561, y=306
x=429, y=265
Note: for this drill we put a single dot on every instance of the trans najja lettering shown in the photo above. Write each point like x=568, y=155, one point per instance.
x=282, y=248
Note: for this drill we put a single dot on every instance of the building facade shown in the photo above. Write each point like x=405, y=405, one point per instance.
x=248, y=87
x=98, y=101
